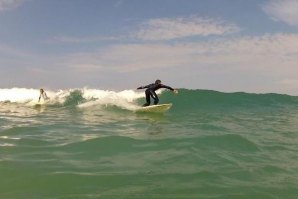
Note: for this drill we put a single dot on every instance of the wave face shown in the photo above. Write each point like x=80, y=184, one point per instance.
x=186, y=100
x=91, y=143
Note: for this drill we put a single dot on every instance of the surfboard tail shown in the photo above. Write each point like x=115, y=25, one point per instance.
x=160, y=108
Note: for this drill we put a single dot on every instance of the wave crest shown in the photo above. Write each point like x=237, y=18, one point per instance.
x=84, y=97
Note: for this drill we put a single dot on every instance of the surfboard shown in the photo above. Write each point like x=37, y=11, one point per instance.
x=159, y=108
x=40, y=103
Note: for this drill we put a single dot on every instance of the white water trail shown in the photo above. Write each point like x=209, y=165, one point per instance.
x=125, y=99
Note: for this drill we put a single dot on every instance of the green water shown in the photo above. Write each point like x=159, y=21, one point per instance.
x=210, y=145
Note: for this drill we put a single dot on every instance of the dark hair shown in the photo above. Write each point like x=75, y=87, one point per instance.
x=157, y=81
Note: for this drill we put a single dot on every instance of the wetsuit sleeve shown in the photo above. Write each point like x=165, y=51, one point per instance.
x=168, y=87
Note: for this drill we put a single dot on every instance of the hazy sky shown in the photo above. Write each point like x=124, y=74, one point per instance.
x=225, y=45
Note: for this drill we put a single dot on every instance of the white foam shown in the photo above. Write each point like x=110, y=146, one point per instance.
x=6, y=145
x=9, y=138
x=21, y=95
x=94, y=97
x=124, y=99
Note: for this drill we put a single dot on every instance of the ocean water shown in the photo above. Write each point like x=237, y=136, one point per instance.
x=90, y=143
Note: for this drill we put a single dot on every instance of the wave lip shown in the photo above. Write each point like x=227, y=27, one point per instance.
x=83, y=97
x=123, y=99
x=20, y=95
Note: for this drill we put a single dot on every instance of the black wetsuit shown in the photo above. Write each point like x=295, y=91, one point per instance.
x=150, y=92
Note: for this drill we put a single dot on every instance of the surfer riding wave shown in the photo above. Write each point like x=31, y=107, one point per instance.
x=42, y=95
x=150, y=91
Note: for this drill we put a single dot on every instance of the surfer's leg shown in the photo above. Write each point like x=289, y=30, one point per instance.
x=155, y=97
x=147, y=93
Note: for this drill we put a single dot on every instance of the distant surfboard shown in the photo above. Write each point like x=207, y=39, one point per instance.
x=160, y=108
x=40, y=103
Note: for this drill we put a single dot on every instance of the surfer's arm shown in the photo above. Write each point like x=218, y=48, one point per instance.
x=167, y=87
x=170, y=88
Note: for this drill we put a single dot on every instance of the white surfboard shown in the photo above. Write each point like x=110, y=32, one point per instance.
x=40, y=103
x=160, y=108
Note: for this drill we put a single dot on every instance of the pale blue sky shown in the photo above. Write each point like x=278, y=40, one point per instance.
x=225, y=45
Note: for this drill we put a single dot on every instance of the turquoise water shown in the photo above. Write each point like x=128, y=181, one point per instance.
x=89, y=143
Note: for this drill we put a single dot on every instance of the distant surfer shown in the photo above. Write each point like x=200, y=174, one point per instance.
x=150, y=91
x=43, y=95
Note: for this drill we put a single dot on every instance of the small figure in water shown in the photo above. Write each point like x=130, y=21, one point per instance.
x=43, y=95
x=150, y=91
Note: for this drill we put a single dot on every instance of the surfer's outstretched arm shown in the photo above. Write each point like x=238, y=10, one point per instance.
x=167, y=87
x=170, y=88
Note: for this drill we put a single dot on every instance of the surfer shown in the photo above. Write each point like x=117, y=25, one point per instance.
x=43, y=95
x=150, y=91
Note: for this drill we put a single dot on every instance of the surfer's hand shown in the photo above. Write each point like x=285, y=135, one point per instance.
x=175, y=91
